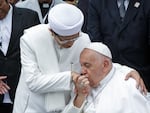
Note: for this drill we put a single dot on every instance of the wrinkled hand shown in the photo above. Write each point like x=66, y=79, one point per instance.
x=3, y=86
x=82, y=86
x=74, y=76
x=139, y=81
x=82, y=90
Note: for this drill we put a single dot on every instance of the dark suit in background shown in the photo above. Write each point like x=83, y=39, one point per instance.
x=83, y=5
x=10, y=64
x=129, y=40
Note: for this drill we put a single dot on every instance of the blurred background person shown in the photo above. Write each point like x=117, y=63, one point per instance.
x=42, y=7
x=83, y=6
x=125, y=28
x=13, y=21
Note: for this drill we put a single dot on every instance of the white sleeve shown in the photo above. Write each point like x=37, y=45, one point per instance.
x=138, y=103
x=70, y=108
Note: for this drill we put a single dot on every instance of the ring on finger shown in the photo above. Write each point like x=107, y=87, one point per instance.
x=81, y=84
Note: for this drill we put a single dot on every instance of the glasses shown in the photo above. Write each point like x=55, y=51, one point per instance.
x=62, y=40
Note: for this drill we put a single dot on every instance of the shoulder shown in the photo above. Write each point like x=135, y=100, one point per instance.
x=36, y=35
x=24, y=11
x=28, y=16
x=120, y=73
x=25, y=3
x=36, y=32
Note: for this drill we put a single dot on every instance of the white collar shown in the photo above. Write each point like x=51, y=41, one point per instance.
x=90, y=106
x=95, y=91
x=107, y=78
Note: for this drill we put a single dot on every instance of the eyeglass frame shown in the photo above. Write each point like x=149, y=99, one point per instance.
x=64, y=41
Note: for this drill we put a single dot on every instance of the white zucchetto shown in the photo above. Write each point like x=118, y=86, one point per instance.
x=65, y=19
x=100, y=48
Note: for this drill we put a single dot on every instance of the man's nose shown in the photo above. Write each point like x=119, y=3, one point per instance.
x=83, y=71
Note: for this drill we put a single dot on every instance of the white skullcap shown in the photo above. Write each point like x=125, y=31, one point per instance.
x=65, y=19
x=100, y=48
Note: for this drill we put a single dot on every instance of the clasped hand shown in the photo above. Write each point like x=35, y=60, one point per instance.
x=82, y=84
x=3, y=86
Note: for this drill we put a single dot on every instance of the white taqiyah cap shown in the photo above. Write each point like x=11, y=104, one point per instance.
x=100, y=48
x=65, y=19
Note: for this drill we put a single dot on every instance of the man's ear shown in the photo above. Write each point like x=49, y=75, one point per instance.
x=106, y=65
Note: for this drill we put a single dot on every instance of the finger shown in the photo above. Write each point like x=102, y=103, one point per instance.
x=145, y=91
x=79, y=81
x=143, y=87
x=3, y=90
x=127, y=76
x=2, y=84
x=84, y=80
x=6, y=86
x=87, y=82
x=74, y=76
x=81, y=78
x=138, y=85
x=3, y=77
x=81, y=84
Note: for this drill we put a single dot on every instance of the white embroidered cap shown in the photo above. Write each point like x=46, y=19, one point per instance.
x=65, y=19
x=100, y=48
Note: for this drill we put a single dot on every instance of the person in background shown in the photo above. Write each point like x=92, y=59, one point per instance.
x=125, y=28
x=42, y=7
x=49, y=53
x=102, y=89
x=83, y=6
x=12, y=25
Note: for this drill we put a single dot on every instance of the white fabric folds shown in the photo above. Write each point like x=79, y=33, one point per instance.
x=51, y=104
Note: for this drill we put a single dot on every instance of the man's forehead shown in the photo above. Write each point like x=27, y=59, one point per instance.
x=88, y=54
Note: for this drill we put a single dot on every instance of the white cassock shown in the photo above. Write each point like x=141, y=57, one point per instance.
x=114, y=95
x=46, y=71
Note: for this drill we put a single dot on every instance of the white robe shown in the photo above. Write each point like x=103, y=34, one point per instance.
x=114, y=95
x=42, y=72
x=34, y=5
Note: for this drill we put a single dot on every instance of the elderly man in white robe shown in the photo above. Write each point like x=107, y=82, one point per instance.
x=102, y=89
x=48, y=54
x=48, y=51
